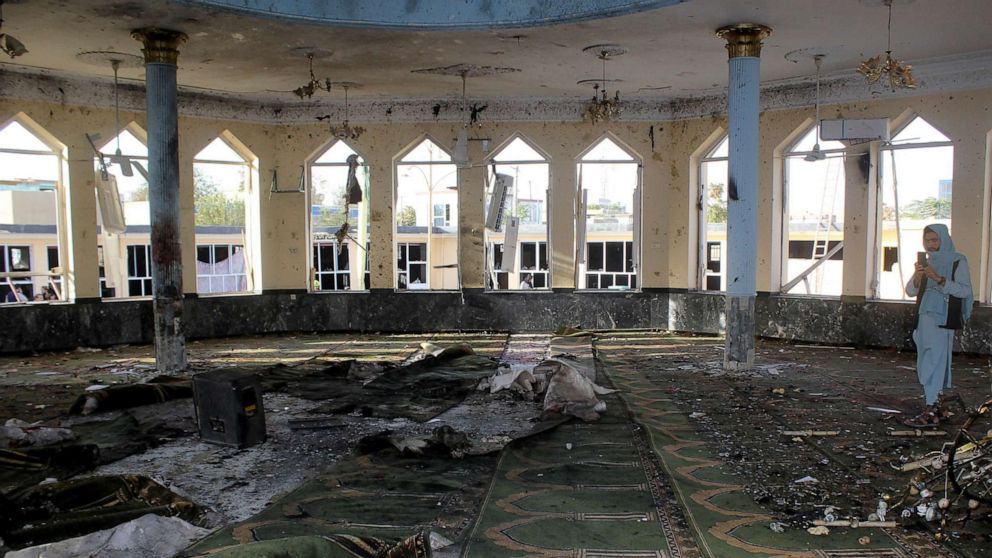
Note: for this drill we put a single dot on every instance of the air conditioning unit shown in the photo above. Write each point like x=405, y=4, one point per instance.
x=865, y=129
x=497, y=202
x=510, y=244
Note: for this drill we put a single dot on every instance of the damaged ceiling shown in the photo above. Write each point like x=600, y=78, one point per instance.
x=672, y=50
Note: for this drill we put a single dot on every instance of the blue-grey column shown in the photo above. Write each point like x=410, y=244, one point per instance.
x=744, y=47
x=161, y=53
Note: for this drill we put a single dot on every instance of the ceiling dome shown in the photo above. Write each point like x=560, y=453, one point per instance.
x=439, y=14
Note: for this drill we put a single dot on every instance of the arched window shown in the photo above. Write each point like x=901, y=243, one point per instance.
x=32, y=215
x=712, y=208
x=607, y=227
x=426, y=232
x=339, y=220
x=124, y=249
x=524, y=208
x=225, y=199
x=916, y=178
x=814, y=182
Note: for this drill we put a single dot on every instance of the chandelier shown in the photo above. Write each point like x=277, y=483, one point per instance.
x=900, y=75
x=306, y=91
x=346, y=130
x=601, y=107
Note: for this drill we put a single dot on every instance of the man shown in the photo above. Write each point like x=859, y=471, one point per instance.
x=17, y=295
x=938, y=278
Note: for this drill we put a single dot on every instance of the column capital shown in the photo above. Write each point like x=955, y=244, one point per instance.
x=744, y=39
x=161, y=45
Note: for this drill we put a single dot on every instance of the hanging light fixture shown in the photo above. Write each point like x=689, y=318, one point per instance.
x=346, y=130
x=900, y=75
x=9, y=45
x=601, y=107
x=460, y=155
x=306, y=91
x=816, y=154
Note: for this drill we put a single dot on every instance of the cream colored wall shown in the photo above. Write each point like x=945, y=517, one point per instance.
x=668, y=232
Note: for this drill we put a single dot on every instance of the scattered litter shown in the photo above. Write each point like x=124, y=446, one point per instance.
x=864, y=541
x=777, y=526
x=854, y=523
x=96, y=387
x=316, y=423
x=809, y=433
x=884, y=410
x=696, y=414
x=818, y=531
x=917, y=433
x=804, y=480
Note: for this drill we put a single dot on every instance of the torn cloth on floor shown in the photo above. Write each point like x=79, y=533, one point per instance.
x=157, y=390
x=571, y=391
x=56, y=511
x=421, y=390
x=149, y=536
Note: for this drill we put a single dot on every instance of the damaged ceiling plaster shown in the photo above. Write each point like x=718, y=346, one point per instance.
x=234, y=56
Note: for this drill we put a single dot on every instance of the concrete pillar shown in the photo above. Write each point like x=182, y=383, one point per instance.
x=562, y=220
x=744, y=47
x=80, y=255
x=471, y=216
x=161, y=52
x=860, y=201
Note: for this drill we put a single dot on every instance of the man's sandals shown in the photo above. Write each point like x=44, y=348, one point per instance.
x=929, y=418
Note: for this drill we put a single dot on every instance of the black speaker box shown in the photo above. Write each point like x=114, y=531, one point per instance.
x=228, y=405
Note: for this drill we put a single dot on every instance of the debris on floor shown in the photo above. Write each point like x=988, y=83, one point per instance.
x=149, y=536
x=373, y=440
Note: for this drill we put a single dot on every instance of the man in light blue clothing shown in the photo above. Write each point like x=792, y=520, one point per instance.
x=944, y=274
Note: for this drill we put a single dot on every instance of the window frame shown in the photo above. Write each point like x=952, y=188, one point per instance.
x=702, y=234
x=398, y=163
x=790, y=152
x=637, y=248
x=493, y=161
x=250, y=237
x=878, y=248
x=314, y=243
x=132, y=234
x=55, y=149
